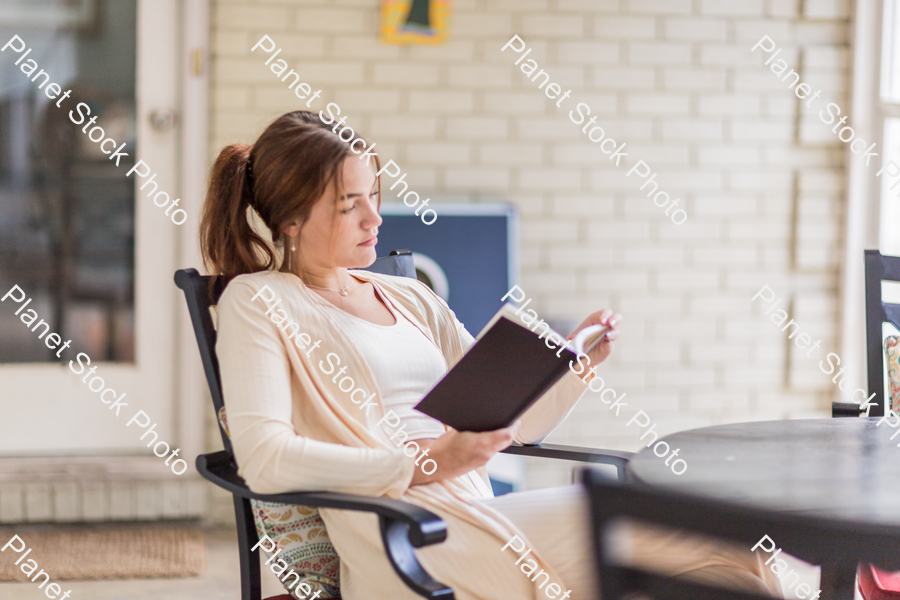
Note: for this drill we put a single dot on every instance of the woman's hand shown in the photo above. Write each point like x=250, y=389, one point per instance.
x=602, y=317
x=458, y=452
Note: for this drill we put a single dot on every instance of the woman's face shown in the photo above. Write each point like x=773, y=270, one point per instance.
x=341, y=230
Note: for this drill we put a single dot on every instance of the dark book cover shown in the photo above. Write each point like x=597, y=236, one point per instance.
x=506, y=371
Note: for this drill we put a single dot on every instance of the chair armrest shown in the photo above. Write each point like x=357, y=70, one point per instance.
x=617, y=458
x=426, y=528
x=404, y=526
x=845, y=409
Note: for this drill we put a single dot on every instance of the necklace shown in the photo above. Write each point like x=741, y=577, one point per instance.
x=343, y=291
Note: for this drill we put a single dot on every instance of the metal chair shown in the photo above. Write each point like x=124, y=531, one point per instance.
x=872, y=581
x=817, y=540
x=878, y=268
x=404, y=526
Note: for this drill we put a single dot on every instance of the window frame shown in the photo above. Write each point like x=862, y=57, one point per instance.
x=864, y=205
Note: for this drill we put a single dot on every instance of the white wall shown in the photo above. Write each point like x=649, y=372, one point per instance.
x=762, y=179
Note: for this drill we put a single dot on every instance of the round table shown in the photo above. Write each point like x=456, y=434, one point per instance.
x=836, y=467
x=840, y=468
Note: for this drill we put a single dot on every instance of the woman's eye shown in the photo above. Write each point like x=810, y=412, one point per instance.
x=347, y=210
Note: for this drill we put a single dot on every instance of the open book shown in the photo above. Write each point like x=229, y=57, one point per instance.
x=506, y=371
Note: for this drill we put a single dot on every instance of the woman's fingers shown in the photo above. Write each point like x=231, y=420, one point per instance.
x=488, y=443
x=460, y=452
x=513, y=429
x=505, y=436
x=602, y=317
x=608, y=317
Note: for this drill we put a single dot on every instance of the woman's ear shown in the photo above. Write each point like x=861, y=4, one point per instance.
x=292, y=228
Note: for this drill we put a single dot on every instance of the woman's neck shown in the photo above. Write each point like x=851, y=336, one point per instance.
x=337, y=278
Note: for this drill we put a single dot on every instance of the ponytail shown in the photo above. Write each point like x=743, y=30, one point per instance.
x=229, y=245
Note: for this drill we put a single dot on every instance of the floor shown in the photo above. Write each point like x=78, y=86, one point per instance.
x=220, y=582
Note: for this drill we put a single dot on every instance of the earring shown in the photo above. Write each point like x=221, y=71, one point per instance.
x=293, y=248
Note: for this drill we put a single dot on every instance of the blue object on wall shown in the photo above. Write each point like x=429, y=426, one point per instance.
x=501, y=487
x=475, y=245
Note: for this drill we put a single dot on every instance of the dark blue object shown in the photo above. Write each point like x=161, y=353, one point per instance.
x=501, y=487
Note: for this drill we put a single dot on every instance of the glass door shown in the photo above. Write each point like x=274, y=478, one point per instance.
x=86, y=259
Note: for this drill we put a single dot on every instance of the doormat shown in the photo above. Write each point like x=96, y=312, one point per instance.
x=120, y=552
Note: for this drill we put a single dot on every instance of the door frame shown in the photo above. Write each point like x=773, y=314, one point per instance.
x=863, y=189
x=192, y=394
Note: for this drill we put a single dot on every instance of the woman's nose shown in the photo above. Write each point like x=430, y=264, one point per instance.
x=372, y=218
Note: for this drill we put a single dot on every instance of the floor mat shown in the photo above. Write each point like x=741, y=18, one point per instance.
x=120, y=552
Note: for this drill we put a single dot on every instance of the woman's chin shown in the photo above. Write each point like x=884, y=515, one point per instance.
x=365, y=256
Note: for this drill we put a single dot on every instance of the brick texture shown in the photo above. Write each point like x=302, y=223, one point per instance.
x=760, y=177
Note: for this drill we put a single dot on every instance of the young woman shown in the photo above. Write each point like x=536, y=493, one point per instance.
x=295, y=427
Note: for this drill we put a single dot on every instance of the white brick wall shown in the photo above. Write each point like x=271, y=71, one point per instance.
x=761, y=178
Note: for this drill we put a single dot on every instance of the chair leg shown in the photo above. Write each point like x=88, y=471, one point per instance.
x=838, y=581
x=251, y=585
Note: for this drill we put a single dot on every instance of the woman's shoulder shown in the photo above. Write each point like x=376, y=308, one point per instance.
x=263, y=284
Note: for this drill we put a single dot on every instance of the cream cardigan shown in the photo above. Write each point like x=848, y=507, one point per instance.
x=293, y=429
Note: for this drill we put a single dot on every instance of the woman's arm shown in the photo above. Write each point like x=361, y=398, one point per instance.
x=256, y=382
x=551, y=409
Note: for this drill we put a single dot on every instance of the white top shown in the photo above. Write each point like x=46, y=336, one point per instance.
x=405, y=363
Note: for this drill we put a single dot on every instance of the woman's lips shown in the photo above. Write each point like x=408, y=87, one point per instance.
x=370, y=242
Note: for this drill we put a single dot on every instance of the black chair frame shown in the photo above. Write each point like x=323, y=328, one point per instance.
x=837, y=545
x=878, y=268
x=404, y=526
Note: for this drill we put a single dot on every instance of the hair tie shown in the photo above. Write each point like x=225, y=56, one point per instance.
x=249, y=170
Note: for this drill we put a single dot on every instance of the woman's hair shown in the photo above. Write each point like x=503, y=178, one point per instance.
x=290, y=166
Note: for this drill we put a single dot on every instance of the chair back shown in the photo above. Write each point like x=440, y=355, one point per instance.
x=879, y=268
x=200, y=297
x=817, y=540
